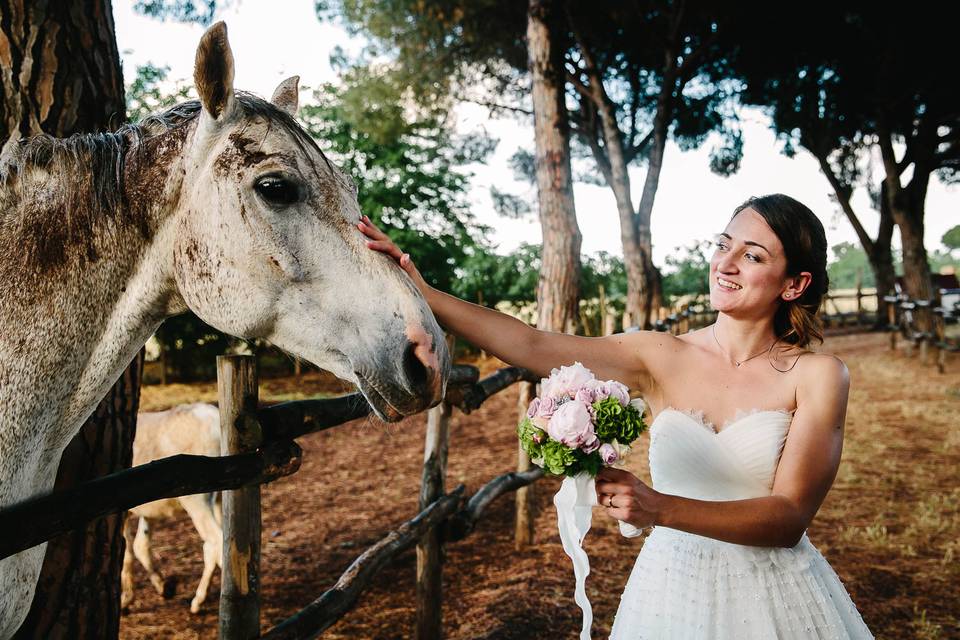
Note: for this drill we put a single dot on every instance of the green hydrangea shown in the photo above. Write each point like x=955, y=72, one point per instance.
x=615, y=421
x=527, y=431
x=556, y=457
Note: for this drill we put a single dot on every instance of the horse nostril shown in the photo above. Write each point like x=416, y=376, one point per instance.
x=414, y=369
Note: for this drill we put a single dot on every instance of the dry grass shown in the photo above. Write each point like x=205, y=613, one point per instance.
x=890, y=526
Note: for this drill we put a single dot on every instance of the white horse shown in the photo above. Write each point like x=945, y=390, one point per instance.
x=192, y=429
x=224, y=206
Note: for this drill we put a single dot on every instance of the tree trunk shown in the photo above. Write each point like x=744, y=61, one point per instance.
x=881, y=261
x=557, y=290
x=78, y=594
x=60, y=74
x=907, y=209
x=651, y=298
x=916, y=269
x=878, y=251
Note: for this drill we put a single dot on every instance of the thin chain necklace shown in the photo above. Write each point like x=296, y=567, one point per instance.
x=713, y=328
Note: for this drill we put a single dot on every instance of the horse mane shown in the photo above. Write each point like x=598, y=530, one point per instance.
x=64, y=197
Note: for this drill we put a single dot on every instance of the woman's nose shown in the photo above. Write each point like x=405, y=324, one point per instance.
x=726, y=263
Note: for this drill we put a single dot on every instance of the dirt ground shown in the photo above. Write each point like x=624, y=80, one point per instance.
x=889, y=527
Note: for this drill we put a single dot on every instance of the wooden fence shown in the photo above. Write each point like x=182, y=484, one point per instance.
x=258, y=447
x=940, y=330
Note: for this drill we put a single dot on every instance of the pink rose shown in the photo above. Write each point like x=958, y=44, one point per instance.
x=540, y=422
x=565, y=380
x=546, y=407
x=584, y=395
x=571, y=425
x=591, y=445
x=608, y=454
x=532, y=409
x=619, y=391
x=601, y=391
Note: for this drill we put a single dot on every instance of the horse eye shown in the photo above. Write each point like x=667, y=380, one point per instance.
x=277, y=191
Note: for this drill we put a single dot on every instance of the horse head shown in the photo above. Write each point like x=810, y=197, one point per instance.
x=266, y=246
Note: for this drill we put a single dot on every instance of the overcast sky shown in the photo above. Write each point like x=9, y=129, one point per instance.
x=273, y=40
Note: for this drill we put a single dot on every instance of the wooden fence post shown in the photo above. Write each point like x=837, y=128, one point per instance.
x=523, y=535
x=430, y=548
x=239, y=433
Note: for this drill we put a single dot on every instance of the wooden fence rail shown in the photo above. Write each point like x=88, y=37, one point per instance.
x=902, y=323
x=31, y=522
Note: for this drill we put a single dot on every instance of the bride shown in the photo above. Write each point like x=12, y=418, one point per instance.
x=744, y=445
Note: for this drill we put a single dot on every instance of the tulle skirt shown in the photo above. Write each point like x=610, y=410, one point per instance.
x=688, y=586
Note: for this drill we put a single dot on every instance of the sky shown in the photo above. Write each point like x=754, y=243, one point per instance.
x=272, y=40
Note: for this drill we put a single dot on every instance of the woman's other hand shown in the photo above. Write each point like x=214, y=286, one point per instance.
x=625, y=497
x=379, y=241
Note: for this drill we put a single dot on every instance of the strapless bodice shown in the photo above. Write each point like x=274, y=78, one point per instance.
x=689, y=458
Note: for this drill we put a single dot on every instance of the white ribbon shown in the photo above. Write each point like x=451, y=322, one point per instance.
x=574, y=502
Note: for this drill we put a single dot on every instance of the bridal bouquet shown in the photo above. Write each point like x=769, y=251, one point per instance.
x=576, y=426
x=579, y=424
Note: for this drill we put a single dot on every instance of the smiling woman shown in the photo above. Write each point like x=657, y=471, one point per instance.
x=789, y=239
x=728, y=557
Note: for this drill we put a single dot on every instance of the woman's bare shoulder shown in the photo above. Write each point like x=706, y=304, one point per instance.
x=649, y=350
x=824, y=383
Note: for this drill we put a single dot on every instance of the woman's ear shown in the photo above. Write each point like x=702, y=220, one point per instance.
x=796, y=285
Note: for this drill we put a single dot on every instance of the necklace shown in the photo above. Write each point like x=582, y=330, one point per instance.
x=713, y=329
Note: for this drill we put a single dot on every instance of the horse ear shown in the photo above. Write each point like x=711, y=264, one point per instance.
x=213, y=71
x=286, y=95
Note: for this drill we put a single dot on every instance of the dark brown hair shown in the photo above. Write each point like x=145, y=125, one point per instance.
x=804, y=243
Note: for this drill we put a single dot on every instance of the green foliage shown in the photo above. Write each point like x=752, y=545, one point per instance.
x=940, y=259
x=197, y=11
x=849, y=262
x=509, y=205
x=441, y=46
x=614, y=421
x=556, y=457
x=145, y=95
x=951, y=239
x=407, y=163
x=530, y=438
x=606, y=270
x=491, y=278
x=690, y=274
x=628, y=43
x=589, y=463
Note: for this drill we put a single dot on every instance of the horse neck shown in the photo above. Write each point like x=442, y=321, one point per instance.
x=71, y=328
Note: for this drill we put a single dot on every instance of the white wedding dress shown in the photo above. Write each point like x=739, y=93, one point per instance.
x=686, y=586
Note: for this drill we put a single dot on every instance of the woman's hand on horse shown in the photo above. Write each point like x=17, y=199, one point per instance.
x=625, y=497
x=379, y=241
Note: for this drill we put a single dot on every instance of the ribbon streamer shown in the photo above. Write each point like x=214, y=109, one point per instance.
x=574, y=502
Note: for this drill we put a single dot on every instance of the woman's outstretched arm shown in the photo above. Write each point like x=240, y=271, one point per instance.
x=806, y=471
x=618, y=357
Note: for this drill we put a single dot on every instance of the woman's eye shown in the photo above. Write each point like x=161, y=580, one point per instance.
x=277, y=191
x=752, y=257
